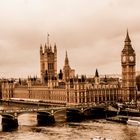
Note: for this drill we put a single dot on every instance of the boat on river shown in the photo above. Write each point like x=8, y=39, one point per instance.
x=100, y=138
x=134, y=121
x=118, y=119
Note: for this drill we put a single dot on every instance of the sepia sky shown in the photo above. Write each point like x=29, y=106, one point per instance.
x=92, y=32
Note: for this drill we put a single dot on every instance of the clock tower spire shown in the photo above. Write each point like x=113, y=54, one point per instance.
x=128, y=62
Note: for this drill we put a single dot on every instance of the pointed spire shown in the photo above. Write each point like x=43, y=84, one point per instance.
x=41, y=49
x=105, y=79
x=50, y=48
x=45, y=45
x=40, y=46
x=127, y=39
x=55, y=49
x=45, y=48
x=66, y=54
x=127, y=44
x=96, y=73
x=66, y=59
x=48, y=39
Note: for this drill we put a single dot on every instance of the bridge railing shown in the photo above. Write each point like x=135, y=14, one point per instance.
x=24, y=110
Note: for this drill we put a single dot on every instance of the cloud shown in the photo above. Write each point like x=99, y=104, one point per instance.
x=91, y=31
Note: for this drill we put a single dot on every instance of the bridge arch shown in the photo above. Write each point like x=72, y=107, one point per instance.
x=87, y=109
x=8, y=115
x=59, y=110
x=44, y=112
x=24, y=113
x=74, y=109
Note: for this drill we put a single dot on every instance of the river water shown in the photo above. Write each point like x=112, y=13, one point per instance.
x=85, y=130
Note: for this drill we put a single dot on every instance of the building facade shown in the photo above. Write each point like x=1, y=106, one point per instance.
x=66, y=88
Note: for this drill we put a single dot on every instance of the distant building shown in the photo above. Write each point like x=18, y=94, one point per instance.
x=67, y=88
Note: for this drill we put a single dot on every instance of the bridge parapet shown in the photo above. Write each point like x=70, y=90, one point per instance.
x=17, y=112
x=51, y=110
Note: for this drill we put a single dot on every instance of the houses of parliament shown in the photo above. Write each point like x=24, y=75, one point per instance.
x=67, y=88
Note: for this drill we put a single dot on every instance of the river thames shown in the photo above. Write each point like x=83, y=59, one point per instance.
x=85, y=130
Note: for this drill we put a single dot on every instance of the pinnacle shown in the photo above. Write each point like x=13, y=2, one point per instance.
x=96, y=73
x=127, y=39
x=66, y=59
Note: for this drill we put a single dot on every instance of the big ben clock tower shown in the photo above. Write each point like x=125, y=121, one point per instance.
x=128, y=62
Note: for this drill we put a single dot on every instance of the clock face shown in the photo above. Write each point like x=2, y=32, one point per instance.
x=131, y=58
x=124, y=58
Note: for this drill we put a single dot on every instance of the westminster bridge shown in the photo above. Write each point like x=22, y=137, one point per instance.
x=46, y=115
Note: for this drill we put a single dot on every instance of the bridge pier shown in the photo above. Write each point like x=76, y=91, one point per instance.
x=45, y=118
x=74, y=115
x=98, y=113
x=9, y=122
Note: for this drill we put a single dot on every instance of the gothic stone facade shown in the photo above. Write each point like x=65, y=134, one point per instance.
x=66, y=88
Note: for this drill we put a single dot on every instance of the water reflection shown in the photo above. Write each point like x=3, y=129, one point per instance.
x=131, y=132
x=69, y=131
x=28, y=119
x=72, y=131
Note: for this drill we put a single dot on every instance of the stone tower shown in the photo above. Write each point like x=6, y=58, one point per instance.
x=66, y=69
x=128, y=62
x=48, y=62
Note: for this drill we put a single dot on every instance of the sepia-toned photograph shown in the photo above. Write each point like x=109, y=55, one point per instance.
x=69, y=70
